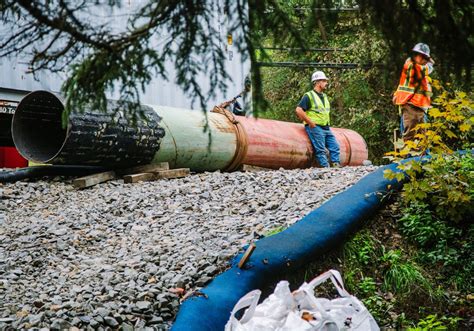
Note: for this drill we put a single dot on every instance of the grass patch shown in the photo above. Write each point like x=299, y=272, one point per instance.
x=274, y=231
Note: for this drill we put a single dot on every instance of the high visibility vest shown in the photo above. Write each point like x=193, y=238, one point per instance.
x=414, y=86
x=319, y=111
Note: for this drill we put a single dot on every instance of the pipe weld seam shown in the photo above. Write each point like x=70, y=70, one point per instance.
x=241, y=135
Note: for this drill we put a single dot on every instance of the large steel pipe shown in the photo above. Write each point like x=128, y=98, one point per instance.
x=353, y=147
x=275, y=144
x=177, y=136
x=183, y=138
x=189, y=144
x=90, y=138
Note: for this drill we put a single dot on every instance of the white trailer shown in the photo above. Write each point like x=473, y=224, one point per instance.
x=16, y=81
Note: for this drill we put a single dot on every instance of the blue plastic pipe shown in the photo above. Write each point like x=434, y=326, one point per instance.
x=321, y=230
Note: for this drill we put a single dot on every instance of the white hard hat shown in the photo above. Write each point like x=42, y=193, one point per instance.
x=423, y=49
x=318, y=75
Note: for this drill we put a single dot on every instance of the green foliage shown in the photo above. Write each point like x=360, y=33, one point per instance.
x=433, y=322
x=438, y=196
x=440, y=243
x=371, y=298
x=358, y=97
x=401, y=276
x=445, y=179
x=367, y=286
x=446, y=184
x=58, y=34
x=364, y=256
x=396, y=278
x=361, y=248
x=419, y=225
x=358, y=254
x=403, y=23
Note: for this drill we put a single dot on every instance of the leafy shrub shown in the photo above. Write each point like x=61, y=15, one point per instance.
x=445, y=179
x=420, y=226
x=440, y=243
x=378, y=307
x=439, y=193
x=433, y=322
x=444, y=182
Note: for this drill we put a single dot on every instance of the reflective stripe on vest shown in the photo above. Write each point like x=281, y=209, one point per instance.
x=319, y=112
x=414, y=86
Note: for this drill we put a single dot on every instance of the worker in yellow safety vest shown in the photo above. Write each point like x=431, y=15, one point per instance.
x=313, y=109
x=413, y=95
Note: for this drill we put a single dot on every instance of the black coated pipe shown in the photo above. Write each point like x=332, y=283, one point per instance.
x=91, y=138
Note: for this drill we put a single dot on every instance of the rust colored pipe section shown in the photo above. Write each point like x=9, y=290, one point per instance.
x=353, y=147
x=274, y=144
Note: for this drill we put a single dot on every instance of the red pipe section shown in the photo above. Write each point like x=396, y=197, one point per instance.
x=353, y=147
x=275, y=144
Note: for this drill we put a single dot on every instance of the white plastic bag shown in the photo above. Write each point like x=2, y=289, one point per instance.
x=249, y=301
x=284, y=311
x=347, y=312
x=271, y=314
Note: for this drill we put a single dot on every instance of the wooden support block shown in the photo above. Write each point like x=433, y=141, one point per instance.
x=247, y=255
x=173, y=173
x=94, y=179
x=145, y=168
x=135, y=178
x=251, y=168
x=147, y=176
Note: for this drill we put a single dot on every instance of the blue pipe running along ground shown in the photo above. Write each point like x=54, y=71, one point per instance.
x=321, y=230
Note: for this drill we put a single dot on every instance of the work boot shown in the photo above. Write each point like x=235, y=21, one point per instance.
x=336, y=165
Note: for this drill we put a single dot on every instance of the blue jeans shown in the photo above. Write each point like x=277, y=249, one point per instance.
x=320, y=139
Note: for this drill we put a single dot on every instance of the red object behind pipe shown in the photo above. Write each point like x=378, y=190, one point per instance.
x=10, y=158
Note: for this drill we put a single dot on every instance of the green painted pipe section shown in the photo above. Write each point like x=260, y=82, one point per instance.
x=187, y=145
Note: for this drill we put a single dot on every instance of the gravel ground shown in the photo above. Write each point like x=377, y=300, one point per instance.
x=107, y=257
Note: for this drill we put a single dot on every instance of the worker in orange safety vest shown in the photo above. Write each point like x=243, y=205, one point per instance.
x=413, y=95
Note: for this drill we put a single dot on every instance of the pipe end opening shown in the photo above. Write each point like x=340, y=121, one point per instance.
x=37, y=126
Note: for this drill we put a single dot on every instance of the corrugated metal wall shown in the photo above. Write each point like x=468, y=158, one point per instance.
x=16, y=82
